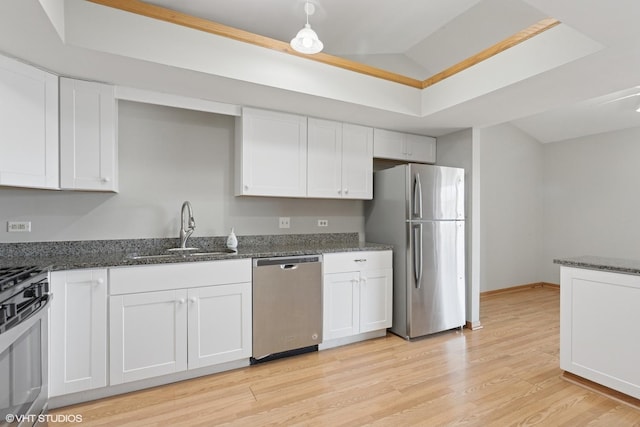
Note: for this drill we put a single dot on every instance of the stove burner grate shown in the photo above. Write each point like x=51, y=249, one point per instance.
x=11, y=276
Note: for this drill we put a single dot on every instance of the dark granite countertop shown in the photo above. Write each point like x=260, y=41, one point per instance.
x=614, y=265
x=117, y=253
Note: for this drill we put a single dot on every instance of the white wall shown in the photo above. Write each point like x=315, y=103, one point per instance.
x=511, y=208
x=591, y=199
x=166, y=156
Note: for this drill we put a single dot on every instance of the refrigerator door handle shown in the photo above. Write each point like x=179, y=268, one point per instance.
x=417, y=254
x=417, y=197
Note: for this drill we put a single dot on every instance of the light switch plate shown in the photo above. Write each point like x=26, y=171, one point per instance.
x=323, y=223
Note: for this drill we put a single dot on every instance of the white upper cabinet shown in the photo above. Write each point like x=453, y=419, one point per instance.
x=403, y=146
x=340, y=160
x=28, y=126
x=286, y=155
x=88, y=136
x=271, y=154
x=324, y=173
x=357, y=162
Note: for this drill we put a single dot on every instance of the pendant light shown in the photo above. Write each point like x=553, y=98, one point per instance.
x=307, y=41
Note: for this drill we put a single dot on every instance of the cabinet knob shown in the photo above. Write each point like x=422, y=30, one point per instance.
x=106, y=179
x=339, y=191
x=246, y=187
x=100, y=281
x=363, y=279
x=192, y=300
x=346, y=191
x=181, y=301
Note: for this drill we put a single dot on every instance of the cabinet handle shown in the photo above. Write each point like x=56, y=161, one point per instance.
x=360, y=260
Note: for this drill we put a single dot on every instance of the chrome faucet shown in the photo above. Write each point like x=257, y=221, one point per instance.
x=188, y=224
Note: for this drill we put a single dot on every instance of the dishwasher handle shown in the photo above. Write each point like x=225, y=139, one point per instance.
x=286, y=260
x=289, y=266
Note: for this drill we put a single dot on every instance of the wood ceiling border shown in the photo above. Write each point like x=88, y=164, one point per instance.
x=157, y=12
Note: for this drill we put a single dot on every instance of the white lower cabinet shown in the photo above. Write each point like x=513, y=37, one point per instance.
x=219, y=324
x=164, y=319
x=358, y=289
x=78, y=339
x=598, y=316
x=148, y=335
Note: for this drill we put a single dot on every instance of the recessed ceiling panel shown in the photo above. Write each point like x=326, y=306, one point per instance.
x=346, y=27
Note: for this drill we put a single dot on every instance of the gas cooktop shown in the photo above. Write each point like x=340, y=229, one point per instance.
x=12, y=276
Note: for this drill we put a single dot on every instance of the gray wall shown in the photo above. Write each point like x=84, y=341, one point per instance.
x=591, y=198
x=511, y=208
x=166, y=156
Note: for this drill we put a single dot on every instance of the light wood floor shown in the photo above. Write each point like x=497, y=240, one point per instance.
x=504, y=374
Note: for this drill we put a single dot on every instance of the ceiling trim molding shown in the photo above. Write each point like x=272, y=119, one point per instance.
x=160, y=13
x=519, y=37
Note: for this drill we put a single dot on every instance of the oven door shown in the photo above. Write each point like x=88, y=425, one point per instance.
x=24, y=370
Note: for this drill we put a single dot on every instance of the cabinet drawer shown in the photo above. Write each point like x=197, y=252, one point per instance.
x=356, y=261
x=159, y=277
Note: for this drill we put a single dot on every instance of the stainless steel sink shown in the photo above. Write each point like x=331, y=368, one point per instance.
x=181, y=254
x=223, y=252
x=153, y=256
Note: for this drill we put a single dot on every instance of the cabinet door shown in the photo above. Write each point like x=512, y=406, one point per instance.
x=376, y=293
x=88, y=141
x=78, y=331
x=341, y=305
x=28, y=126
x=271, y=154
x=357, y=162
x=219, y=324
x=388, y=144
x=148, y=335
x=420, y=148
x=324, y=164
x=598, y=314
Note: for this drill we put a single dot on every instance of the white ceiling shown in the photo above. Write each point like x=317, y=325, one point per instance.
x=411, y=37
x=426, y=37
x=432, y=35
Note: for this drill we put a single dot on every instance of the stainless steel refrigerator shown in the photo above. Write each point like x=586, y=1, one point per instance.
x=419, y=209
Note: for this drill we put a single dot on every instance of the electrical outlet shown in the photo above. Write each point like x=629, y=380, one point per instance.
x=19, y=226
x=285, y=222
x=323, y=223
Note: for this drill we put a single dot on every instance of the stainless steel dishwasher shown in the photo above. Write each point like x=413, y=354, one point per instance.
x=287, y=306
